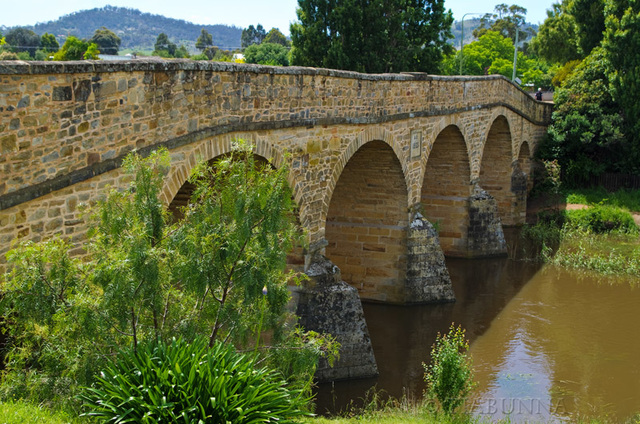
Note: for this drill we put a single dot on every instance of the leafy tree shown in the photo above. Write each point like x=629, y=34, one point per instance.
x=505, y=20
x=276, y=37
x=76, y=49
x=204, y=41
x=23, y=40
x=557, y=39
x=218, y=274
x=479, y=56
x=371, y=35
x=251, y=35
x=163, y=47
x=267, y=54
x=49, y=43
x=589, y=18
x=106, y=40
x=622, y=45
x=587, y=133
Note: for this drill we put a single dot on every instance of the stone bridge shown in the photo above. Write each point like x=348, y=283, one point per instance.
x=376, y=162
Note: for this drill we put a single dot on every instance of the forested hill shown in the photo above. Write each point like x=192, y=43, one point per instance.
x=137, y=29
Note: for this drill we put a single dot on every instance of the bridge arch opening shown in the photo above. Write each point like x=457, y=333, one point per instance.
x=366, y=225
x=496, y=167
x=525, y=162
x=446, y=188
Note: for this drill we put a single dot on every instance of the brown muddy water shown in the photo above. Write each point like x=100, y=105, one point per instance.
x=547, y=344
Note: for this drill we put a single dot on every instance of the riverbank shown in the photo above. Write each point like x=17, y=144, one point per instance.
x=590, y=230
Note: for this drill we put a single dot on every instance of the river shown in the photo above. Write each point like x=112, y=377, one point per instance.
x=547, y=344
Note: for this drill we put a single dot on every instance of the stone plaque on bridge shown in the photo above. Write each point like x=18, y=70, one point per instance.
x=416, y=143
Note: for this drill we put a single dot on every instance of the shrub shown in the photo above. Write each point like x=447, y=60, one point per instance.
x=449, y=377
x=602, y=219
x=189, y=382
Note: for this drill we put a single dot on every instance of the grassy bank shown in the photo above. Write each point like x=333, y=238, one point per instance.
x=21, y=412
x=602, y=237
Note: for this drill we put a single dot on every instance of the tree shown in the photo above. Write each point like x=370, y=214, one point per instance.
x=251, y=35
x=587, y=133
x=557, y=39
x=218, y=274
x=23, y=40
x=371, y=35
x=49, y=43
x=276, y=37
x=204, y=40
x=76, y=49
x=588, y=16
x=622, y=46
x=506, y=20
x=163, y=47
x=267, y=54
x=106, y=40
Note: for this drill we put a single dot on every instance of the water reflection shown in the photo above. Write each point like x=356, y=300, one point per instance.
x=546, y=343
x=402, y=336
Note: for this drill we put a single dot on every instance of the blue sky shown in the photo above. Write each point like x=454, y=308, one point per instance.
x=241, y=13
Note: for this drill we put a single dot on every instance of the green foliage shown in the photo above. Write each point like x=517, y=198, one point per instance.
x=588, y=16
x=191, y=383
x=106, y=40
x=564, y=72
x=277, y=37
x=622, y=45
x=163, y=47
x=144, y=280
x=21, y=412
x=23, y=40
x=479, y=56
x=251, y=35
x=380, y=36
x=76, y=49
x=505, y=21
x=602, y=219
x=587, y=134
x=49, y=43
x=204, y=41
x=8, y=56
x=625, y=199
x=234, y=244
x=50, y=318
x=267, y=54
x=449, y=376
x=557, y=40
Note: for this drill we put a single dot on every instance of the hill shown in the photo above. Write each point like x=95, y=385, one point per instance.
x=136, y=29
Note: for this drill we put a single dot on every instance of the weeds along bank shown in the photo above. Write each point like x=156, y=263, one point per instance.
x=600, y=235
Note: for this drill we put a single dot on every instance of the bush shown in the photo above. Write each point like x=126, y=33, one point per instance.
x=449, y=377
x=602, y=219
x=189, y=382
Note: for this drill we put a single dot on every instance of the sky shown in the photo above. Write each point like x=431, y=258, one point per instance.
x=241, y=13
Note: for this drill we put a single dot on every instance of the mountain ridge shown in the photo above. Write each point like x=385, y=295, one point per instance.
x=136, y=29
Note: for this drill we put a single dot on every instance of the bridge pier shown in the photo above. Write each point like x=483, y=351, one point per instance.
x=327, y=304
x=484, y=236
x=427, y=279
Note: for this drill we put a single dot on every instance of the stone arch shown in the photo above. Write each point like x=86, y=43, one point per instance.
x=446, y=187
x=364, y=137
x=184, y=162
x=366, y=223
x=496, y=165
x=525, y=163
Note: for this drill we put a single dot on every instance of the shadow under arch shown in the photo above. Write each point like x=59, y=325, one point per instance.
x=496, y=167
x=366, y=223
x=446, y=187
x=367, y=136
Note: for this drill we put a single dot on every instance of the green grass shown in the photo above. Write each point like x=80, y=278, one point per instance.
x=625, y=199
x=21, y=412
